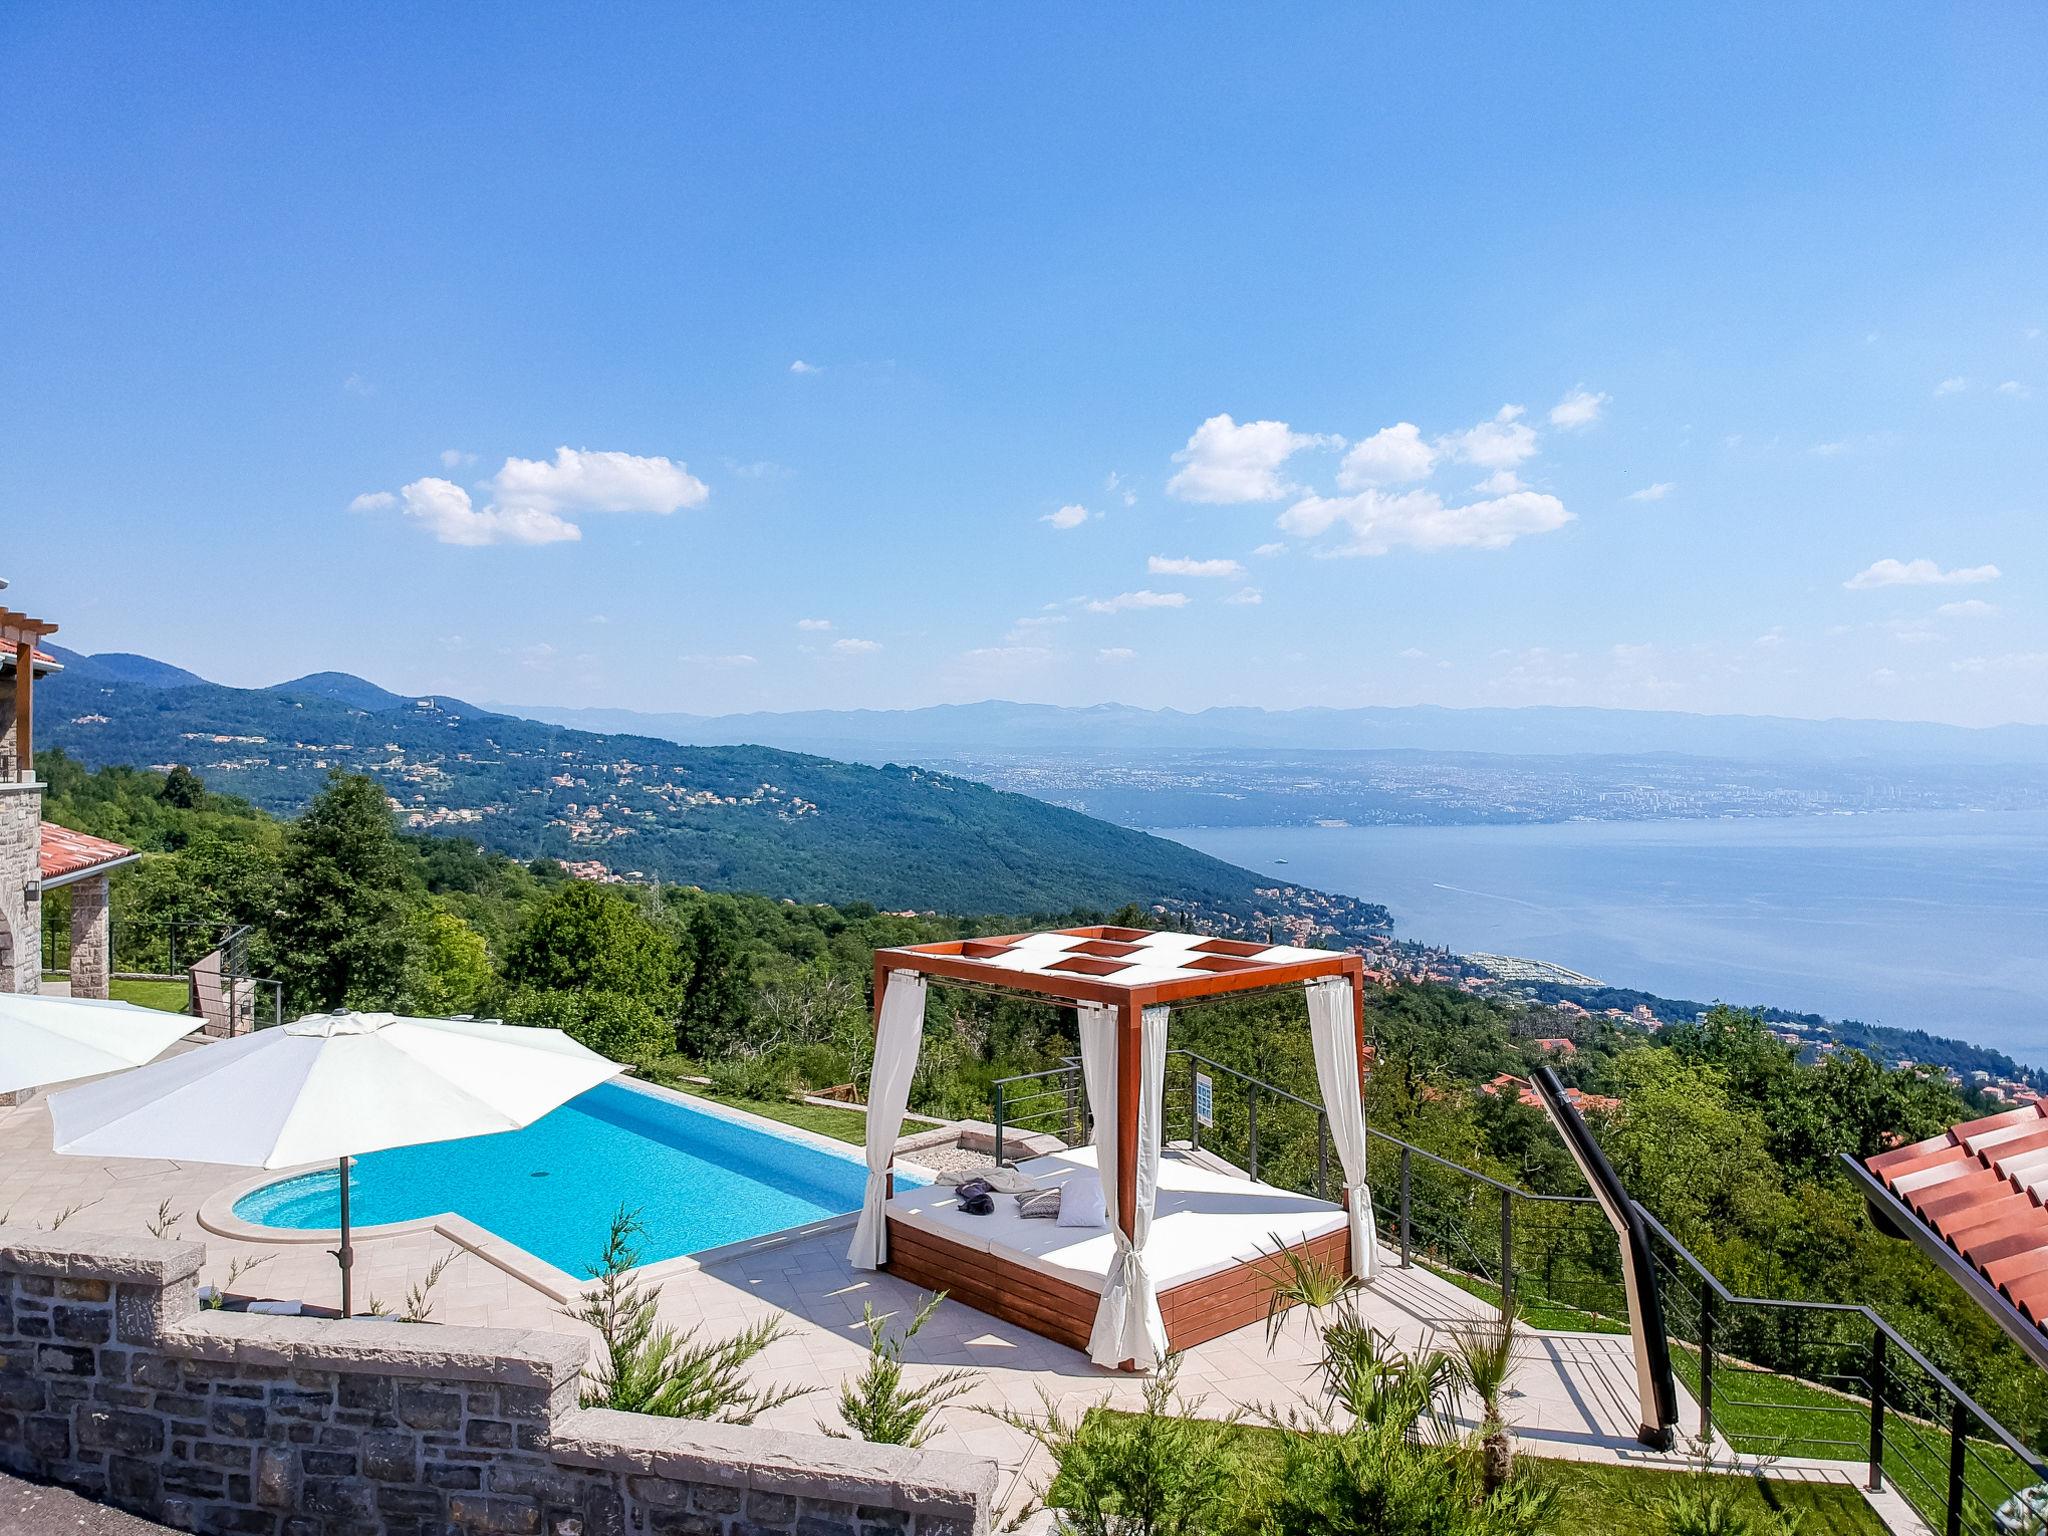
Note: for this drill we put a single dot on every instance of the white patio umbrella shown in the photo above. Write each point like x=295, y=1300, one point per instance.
x=329, y=1087
x=54, y=1039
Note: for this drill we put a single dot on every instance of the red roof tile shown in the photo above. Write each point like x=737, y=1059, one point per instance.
x=1979, y=1187
x=66, y=853
x=41, y=658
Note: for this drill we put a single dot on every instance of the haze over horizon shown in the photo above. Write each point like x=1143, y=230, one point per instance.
x=1704, y=368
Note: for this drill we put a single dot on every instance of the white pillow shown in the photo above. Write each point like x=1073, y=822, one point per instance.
x=1081, y=1201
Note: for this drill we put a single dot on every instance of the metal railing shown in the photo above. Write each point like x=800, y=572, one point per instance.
x=212, y=958
x=1772, y=1377
x=1834, y=1381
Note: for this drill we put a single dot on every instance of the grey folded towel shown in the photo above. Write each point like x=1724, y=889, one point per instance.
x=1039, y=1203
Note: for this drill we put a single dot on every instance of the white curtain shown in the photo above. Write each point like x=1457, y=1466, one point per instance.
x=1127, y=1322
x=898, y=1034
x=1333, y=1027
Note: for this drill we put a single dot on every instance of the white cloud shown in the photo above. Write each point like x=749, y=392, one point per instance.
x=1115, y=653
x=1953, y=386
x=1007, y=656
x=1117, y=486
x=800, y=366
x=1185, y=565
x=444, y=509
x=1267, y=551
x=1245, y=597
x=1226, y=463
x=722, y=663
x=1414, y=653
x=531, y=496
x=1577, y=410
x=578, y=480
x=1501, y=443
x=852, y=647
x=1125, y=601
x=2015, y=389
x=1968, y=608
x=1918, y=573
x=1394, y=455
x=1070, y=516
x=1771, y=638
x=1656, y=492
x=356, y=384
x=814, y=624
x=455, y=458
x=1380, y=522
x=1502, y=482
x=2011, y=661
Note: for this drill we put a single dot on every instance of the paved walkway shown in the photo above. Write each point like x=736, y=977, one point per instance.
x=1573, y=1397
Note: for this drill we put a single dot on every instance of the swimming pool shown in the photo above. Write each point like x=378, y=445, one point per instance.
x=697, y=1178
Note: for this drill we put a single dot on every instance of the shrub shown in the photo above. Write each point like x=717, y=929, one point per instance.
x=612, y=1024
x=644, y=1367
x=751, y=1077
x=876, y=1404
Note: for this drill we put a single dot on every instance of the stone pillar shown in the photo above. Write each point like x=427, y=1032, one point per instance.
x=21, y=919
x=91, y=938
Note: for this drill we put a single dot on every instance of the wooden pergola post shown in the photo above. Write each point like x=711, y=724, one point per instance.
x=24, y=709
x=1129, y=1070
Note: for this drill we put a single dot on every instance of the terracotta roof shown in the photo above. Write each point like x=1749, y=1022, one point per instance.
x=43, y=659
x=1525, y=1093
x=67, y=854
x=1979, y=1187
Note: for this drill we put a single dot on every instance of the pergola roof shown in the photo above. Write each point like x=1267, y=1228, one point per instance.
x=1120, y=966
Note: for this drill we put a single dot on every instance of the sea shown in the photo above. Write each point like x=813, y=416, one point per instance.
x=1934, y=920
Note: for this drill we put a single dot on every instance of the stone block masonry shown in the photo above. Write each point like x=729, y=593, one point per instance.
x=113, y=1382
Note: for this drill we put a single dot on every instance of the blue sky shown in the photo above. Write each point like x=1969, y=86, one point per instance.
x=747, y=358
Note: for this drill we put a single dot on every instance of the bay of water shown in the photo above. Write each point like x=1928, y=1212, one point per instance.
x=1922, y=920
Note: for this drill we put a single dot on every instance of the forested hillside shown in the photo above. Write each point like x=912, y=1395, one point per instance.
x=1716, y=1127
x=726, y=818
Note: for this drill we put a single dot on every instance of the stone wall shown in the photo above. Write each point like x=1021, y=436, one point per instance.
x=21, y=920
x=113, y=1382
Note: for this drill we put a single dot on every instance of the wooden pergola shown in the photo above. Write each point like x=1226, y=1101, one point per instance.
x=1125, y=971
x=19, y=636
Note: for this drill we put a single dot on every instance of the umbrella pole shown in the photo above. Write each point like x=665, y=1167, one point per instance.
x=345, y=1253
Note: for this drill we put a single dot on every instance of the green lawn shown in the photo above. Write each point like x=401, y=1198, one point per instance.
x=840, y=1124
x=1622, y=1501
x=1554, y=1316
x=170, y=996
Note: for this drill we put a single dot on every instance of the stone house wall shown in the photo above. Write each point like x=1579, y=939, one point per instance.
x=113, y=1382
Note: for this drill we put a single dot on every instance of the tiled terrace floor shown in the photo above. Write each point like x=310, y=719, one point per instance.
x=1573, y=1396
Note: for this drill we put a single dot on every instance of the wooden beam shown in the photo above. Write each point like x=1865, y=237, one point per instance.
x=24, y=710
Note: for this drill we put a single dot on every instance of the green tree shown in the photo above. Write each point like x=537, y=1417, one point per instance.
x=342, y=900
x=719, y=999
x=447, y=965
x=595, y=937
x=183, y=788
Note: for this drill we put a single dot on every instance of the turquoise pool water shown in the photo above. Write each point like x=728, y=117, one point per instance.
x=696, y=1179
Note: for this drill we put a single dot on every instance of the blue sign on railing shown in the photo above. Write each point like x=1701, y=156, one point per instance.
x=1205, y=1100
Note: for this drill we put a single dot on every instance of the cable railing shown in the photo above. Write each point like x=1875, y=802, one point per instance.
x=1769, y=1377
x=212, y=958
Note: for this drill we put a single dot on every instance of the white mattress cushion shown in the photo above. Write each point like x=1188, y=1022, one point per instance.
x=1203, y=1222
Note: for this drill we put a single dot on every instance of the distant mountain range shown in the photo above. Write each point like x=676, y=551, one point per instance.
x=726, y=817
x=1044, y=731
